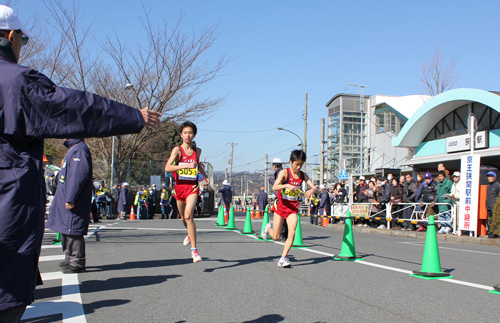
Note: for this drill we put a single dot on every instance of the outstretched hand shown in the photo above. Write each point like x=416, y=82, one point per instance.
x=151, y=118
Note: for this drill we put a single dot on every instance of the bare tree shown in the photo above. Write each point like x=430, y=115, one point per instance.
x=437, y=76
x=169, y=71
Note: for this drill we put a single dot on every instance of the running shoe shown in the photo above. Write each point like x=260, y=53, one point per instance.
x=265, y=233
x=284, y=263
x=186, y=241
x=196, y=256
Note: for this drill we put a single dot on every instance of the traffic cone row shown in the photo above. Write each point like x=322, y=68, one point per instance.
x=230, y=224
x=247, y=229
x=297, y=240
x=348, y=249
x=265, y=220
x=326, y=221
x=220, y=217
x=57, y=240
x=431, y=266
x=132, y=214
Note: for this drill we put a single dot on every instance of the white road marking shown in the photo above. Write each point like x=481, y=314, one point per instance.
x=51, y=258
x=161, y=229
x=457, y=249
x=70, y=304
x=52, y=246
x=399, y=270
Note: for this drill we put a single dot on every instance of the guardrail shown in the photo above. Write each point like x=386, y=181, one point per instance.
x=418, y=213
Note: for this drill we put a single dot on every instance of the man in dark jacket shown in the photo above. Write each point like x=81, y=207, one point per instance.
x=409, y=194
x=153, y=195
x=324, y=203
x=69, y=213
x=429, y=195
x=115, y=193
x=262, y=199
x=492, y=192
x=123, y=202
x=32, y=108
x=227, y=195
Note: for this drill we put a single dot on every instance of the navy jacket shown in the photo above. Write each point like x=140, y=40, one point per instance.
x=492, y=192
x=33, y=108
x=75, y=187
x=227, y=194
x=122, y=201
x=262, y=200
x=324, y=203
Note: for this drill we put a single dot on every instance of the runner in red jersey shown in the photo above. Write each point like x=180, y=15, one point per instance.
x=183, y=162
x=288, y=184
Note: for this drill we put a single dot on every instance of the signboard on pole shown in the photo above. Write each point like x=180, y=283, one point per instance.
x=343, y=175
x=469, y=193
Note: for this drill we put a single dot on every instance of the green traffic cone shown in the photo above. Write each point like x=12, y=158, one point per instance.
x=431, y=266
x=57, y=240
x=265, y=220
x=230, y=222
x=348, y=249
x=297, y=240
x=248, y=224
x=496, y=289
x=220, y=218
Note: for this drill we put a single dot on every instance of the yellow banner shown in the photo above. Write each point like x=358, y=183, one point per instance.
x=360, y=209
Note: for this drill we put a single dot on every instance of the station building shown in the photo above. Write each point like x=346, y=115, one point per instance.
x=439, y=132
x=381, y=117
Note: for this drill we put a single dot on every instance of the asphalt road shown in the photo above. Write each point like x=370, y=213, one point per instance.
x=138, y=271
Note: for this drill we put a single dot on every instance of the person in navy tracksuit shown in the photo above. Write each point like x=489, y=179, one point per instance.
x=324, y=203
x=69, y=213
x=122, y=201
x=33, y=108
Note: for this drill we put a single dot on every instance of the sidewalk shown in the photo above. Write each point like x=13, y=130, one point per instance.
x=483, y=240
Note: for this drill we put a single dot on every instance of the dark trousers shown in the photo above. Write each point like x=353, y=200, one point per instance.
x=165, y=210
x=488, y=221
x=95, y=214
x=101, y=207
x=314, y=215
x=74, y=250
x=12, y=315
x=407, y=216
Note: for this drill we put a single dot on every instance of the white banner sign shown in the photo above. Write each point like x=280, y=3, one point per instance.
x=469, y=193
x=462, y=143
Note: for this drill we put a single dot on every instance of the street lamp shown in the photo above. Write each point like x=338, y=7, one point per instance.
x=293, y=133
x=127, y=87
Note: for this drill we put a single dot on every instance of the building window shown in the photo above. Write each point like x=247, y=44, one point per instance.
x=455, y=123
x=388, y=121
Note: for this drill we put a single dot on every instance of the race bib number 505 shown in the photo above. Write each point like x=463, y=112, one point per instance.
x=189, y=174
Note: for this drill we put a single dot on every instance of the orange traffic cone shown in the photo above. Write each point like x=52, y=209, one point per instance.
x=326, y=221
x=252, y=215
x=132, y=214
x=225, y=216
x=257, y=212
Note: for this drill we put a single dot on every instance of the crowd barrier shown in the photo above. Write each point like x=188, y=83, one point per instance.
x=418, y=213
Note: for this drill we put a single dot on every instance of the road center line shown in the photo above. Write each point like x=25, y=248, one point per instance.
x=399, y=270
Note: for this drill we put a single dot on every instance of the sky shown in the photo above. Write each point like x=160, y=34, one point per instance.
x=282, y=49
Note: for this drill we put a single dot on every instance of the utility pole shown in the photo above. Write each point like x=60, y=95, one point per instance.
x=362, y=113
x=322, y=151
x=266, y=184
x=305, y=129
x=231, y=161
